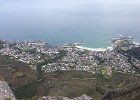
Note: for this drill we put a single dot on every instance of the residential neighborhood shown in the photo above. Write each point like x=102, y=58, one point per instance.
x=75, y=58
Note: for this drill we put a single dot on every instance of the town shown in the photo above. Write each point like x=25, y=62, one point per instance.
x=73, y=57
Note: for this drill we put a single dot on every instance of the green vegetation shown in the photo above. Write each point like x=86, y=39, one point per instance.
x=61, y=83
x=79, y=74
x=51, y=60
x=31, y=51
x=8, y=98
x=72, y=66
x=71, y=84
x=101, y=71
x=39, y=71
x=101, y=61
x=27, y=91
x=4, y=60
x=39, y=65
x=84, y=52
x=19, y=74
x=122, y=45
x=75, y=83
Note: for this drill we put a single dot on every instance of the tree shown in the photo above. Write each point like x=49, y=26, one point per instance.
x=39, y=71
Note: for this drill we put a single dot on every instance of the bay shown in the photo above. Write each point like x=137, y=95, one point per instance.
x=59, y=22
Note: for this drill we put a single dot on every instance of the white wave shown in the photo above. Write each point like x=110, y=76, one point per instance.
x=91, y=49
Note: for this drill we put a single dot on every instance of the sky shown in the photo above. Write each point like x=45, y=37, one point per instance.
x=65, y=16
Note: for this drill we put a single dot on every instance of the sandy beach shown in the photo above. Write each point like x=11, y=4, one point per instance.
x=91, y=49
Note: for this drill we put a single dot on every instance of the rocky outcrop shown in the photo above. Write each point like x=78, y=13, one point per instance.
x=5, y=92
x=115, y=93
x=83, y=97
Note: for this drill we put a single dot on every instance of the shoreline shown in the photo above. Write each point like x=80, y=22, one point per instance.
x=91, y=49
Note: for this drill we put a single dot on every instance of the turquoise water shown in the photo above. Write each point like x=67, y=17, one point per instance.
x=101, y=40
x=61, y=21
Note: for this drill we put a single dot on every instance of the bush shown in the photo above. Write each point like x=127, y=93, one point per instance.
x=27, y=91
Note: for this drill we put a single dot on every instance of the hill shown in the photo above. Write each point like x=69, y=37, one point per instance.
x=24, y=83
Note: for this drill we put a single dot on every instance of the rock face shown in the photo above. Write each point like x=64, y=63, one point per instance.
x=5, y=92
x=83, y=97
x=113, y=94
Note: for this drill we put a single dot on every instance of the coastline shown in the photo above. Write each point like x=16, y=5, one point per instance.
x=91, y=49
x=98, y=49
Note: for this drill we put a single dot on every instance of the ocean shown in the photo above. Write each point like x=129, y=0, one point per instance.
x=97, y=40
x=60, y=22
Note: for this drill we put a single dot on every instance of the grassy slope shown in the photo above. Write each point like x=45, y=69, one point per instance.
x=76, y=83
x=60, y=83
x=70, y=84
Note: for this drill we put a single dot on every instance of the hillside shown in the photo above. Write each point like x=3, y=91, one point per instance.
x=134, y=52
x=23, y=81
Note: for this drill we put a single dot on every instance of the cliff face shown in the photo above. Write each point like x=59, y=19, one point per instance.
x=5, y=92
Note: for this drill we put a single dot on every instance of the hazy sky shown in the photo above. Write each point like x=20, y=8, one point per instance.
x=54, y=16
